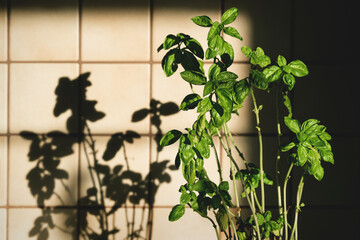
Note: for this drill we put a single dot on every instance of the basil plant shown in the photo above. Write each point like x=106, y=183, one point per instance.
x=221, y=99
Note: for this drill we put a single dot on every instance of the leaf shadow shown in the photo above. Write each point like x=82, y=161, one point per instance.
x=114, y=184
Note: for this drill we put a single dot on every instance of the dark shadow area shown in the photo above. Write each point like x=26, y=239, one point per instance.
x=113, y=186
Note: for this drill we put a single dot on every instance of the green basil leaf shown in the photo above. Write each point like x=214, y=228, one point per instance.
x=189, y=172
x=229, y=86
x=185, y=198
x=267, y=216
x=210, y=54
x=272, y=73
x=214, y=30
x=216, y=44
x=176, y=212
x=268, y=180
x=302, y=155
x=281, y=61
x=193, y=77
x=177, y=160
x=258, y=79
x=227, y=57
x=203, y=148
x=189, y=62
x=170, y=137
x=241, y=91
x=195, y=47
x=222, y=220
x=229, y=16
x=190, y=102
x=187, y=154
x=168, y=63
x=287, y=104
x=160, y=47
x=298, y=68
x=287, y=147
x=246, y=51
x=224, y=185
x=259, y=58
x=292, y=124
x=203, y=186
x=327, y=156
x=317, y=171
x=309, y=125
x=201, y=123
x=214, y=70
x=226, y=76
x=170, y=40
x=208, y=88
x=289, y=80
x=199, y=164
x=224, y=99
x=274, y=225
x=204, y=106
x=232, y=32
x=217, y=113
x=202, y=21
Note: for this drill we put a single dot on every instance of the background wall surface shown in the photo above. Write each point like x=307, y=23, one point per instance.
x=48, y=45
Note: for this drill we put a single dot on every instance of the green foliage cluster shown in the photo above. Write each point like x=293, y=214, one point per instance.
x=222, y=97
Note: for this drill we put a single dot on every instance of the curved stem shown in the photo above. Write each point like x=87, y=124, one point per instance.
x=92, y=146
x=279, y=151
x=284, y=200
x=232, y=169
x=298, y=201
x=257, y=200
x=251, y=202
x=256, y=111
x=217, y=157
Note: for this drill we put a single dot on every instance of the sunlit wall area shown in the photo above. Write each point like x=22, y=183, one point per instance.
x=81, y=84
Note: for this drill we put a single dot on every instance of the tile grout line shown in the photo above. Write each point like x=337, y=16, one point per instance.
x=8, y=118
x=103, y=62
x=148, y=229
x=79, y=113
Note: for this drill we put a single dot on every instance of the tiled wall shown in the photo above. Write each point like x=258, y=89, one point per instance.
x=116, y=41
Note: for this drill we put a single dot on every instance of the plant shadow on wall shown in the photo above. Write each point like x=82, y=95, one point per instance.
x=113, y=186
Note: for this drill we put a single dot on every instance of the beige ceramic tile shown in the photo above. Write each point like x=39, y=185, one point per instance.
x=3, y=218
x=167, y=193
x=132, y=222
x=190, y=226
x=32, y=96
x=3, y=31
x=20, y=167
x=173, y=17
x=3, y=171
x=3, y=98
x=44, y=30
x=24, y=219
x=137, y=155
x=262, y=24
x=249, y=146
x=120, y=90
x=115, y=30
